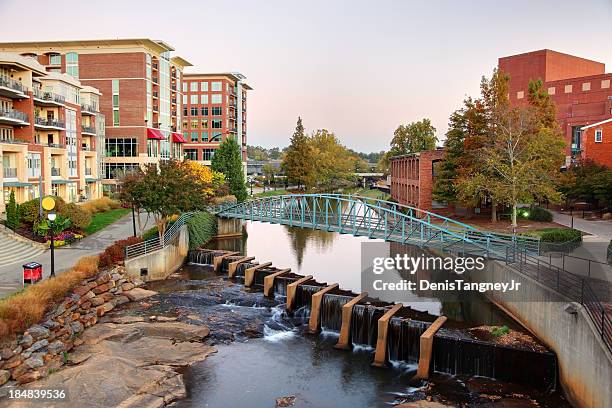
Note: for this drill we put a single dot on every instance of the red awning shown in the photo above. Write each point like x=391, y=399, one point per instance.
x=155, y=134
x=178, y=138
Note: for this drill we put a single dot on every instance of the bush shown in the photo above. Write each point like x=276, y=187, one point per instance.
x=28, y=211
x=499, y=331
x=100, y=205
x=116, y=252
x=560, y=235
x=79, y=218
x=202, y=227
x=12, y=212
x=540, y=214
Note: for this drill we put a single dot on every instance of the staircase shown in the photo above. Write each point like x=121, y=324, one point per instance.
x=14, y=251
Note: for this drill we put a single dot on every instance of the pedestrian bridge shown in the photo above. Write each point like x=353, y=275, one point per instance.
x=379, y=219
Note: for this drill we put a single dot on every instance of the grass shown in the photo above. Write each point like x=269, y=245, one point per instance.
x=104, y=219
x=271, y=193
x=369, y=193
x=21, y=310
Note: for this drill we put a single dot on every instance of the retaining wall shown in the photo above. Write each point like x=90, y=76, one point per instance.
x=585, y=364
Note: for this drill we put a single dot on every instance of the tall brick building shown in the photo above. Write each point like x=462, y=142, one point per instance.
x=412, y=177
x=214, y=108
x=580, y=89
x=140, y=85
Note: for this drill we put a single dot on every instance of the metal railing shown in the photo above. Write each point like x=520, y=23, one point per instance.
x=55, y=171
x=563, y=260
x=87, y=171
x=14, y=114
x=49, y=122
x=9, y=172
x=155, y=244
x=88, y=129
x=49, y=96
x=57, y=145
x=88, y=108
x=11, y=83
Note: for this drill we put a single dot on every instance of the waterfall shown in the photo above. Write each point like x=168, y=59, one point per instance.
x=331, y=311
x=303, y=295
x=201, y=257
x=404, y=339
x=280, y=285
x=364, y=324
x=227, y=260
x=243, y=267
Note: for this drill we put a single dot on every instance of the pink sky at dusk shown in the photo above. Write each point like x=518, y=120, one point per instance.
x=356, y=68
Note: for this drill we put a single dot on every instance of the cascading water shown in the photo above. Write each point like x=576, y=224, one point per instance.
x=280, y=285
x=364, y=324
x=404, y=339
x=303, y=295
x=331, y=311
x=201, y=257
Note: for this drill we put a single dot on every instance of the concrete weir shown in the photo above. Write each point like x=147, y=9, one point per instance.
x=395, y=332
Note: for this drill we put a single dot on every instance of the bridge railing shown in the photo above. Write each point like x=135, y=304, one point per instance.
x=155, y=244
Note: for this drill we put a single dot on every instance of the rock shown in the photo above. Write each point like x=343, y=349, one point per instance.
x=97, y=301
x=285, y=401
x=26, y=340
x=106, y=307
x=29, y=377
x=166, y=319
x=37, y=346
x=50, y=324
x=88, y=295
x=56, y=347
x=78, y=342
x=86, y=305
x=12, y=362
x=81, y=290
x=127, y=319
x=115, y=276
x=101, y=289
x=76, y=327
x=119, y=300
x=107, y=296
x=4, y=376
x=103, y=278
x=138, y=282
x=127, y=286
x=35, y=361
x=137, y=294
x=38, y=332
x=6, y=353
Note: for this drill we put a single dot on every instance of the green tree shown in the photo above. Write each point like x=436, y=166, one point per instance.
x=414, y=137
x=270, y=172
x=298, y=161
x=12, y=212
x=228, y=160
x=333, y=163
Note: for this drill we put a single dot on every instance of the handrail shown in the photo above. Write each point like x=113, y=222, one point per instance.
x=154, y=244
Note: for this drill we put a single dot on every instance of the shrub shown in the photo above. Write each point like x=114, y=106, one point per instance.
x=540, y=214
x=100, y=205
x=79, y=217
x=202, y=227
x=12, y=212
x=499, y=331
x=116, y=252
x=560, y=235
x=150, y=233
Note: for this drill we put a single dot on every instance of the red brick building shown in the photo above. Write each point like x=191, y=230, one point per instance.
x=214, y=108
x=412, y=178
x=597, y=141
x=580, y=88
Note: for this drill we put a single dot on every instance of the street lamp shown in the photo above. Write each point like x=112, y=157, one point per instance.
x=51, y=216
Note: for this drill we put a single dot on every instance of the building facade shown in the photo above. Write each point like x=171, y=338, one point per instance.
x=48, y=139
x=597, y=141
x=580, y=88
x=413, y=177
x=140, y=95
x=214, y=109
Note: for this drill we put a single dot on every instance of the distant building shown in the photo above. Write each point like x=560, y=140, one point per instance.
x=413, y=177
x=580, y=89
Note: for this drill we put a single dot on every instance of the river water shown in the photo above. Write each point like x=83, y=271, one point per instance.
x=264, y=354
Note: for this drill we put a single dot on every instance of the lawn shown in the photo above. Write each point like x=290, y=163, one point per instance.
x=104, y=219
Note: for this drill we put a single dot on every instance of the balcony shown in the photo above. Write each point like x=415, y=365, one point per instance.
x=12, y=89
x=174, y=101
x=155, y=94
x=9, y=172
x=48, y=98
x=55, y=172
x=87, y=171
x=87, y=109
x=57, y=145
x=49, y=123
x=154, y=66
x=13, y=117
x=87, y=148
x=88, y=130
x=154, y=80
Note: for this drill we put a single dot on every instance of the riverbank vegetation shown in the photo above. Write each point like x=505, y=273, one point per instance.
x=228, y=161
x=202, y=228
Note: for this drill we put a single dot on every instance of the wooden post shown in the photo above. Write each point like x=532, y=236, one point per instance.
x=231, y=268
x=426, y=347
x=292, y=288
x=315, y=308
x=217, y=259
x=345, y=329
x=269, y=281
x=249, y=274
x=381, y=341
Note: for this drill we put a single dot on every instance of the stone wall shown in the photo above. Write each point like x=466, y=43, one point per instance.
x=43, y=347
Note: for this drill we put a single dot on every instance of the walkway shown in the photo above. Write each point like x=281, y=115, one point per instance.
x=13, y=250
x=601, y=229
x=65, y=257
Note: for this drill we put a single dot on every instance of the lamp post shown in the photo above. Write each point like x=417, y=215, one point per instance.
x=51, y=216
x=133, y=221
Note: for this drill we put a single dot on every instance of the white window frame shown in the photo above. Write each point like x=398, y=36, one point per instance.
x=600, y=133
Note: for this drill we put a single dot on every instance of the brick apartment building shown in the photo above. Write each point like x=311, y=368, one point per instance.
x=580, y=89
x=412, y=178
x=140, y=85
x=51, y=132
x=214, y=108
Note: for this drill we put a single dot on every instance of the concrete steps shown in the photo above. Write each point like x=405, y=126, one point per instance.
x=13, y=251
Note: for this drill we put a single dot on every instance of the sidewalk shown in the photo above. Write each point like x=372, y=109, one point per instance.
x=65, y=257
x=601, y=229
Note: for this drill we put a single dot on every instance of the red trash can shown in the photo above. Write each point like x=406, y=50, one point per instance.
x=32, y=273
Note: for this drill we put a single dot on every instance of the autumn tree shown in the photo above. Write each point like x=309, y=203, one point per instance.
x=411, y=138
x=333, y=163
x=228, y=160
x=298, y=161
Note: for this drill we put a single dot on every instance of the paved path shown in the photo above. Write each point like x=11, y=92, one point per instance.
x=65, y=257
x=601, y=229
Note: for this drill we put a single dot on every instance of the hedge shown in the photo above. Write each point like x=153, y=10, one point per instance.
x=560, y=235
x=540, y=214
x=202, y=227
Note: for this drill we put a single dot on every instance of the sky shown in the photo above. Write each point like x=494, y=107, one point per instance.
x=357, y=68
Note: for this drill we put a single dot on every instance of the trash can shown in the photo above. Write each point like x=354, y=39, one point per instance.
x=32, y=273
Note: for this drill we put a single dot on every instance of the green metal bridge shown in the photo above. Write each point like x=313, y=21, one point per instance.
x=379, y=219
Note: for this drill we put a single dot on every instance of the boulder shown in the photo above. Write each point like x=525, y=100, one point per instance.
x=56, y=347
x=35, y=361
x=97, y=301
x=137, y=294
x=106, y=307
x=101, y=289
x=29, y=377
x=38, y=332
x=127, y=286
x=37, y=346
x=4, y=376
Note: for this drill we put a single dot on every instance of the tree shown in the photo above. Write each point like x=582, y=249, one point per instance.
x=587, y=181
x=298, y=161
x=414, y=137
x=270, y=172
x=333, y=163
x=228, y=160
x=12, y=212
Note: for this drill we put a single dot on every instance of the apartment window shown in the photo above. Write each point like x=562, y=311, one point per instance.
x=568, y=88
x=194, y=111
x=72, y=64
x=193, y=99
x=520, y=95
x=586, y=86
x=33, y=165
x=184, y=86
x=185, y=124
x=115, y=89
x=185, y=135
x=216, y=98
x=55, y=59
x=598, y=136
x=204, y=123
x=185, y=111
x=205, y=136
x=121, y=147
x=6, y=134
x=217, y=123
x=191, y=154
x=215, y=137
x=194, y=123
x=216, y=111
x=204, y=99
x=194, y=136
x=204, y=110
x=193, y=86
x=152, y=148
x=551, y=90
x=207, y=154
x=216, y=86
x=184, y=99
x=115, y=170
x=204, y=86
x=605, y=83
